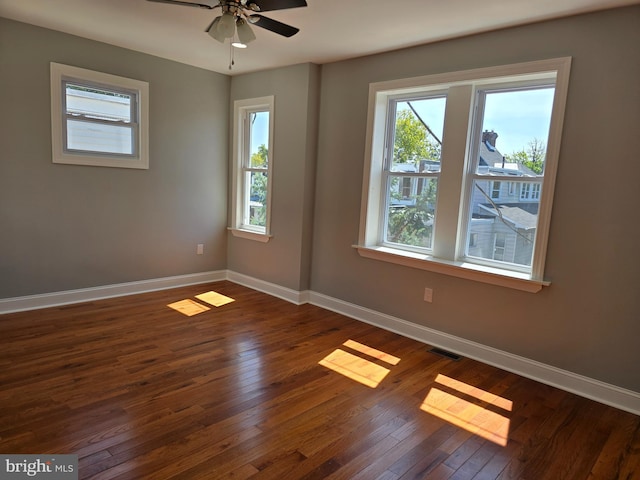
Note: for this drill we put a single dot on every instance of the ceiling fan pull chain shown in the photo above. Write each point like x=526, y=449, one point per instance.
x=231, y=55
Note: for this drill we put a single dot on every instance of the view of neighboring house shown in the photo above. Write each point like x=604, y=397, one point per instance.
x=504, y=214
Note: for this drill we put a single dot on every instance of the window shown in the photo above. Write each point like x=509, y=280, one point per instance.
x=98, y=119
x=473, y=240
x=253, y=163
x=530, y=191
x=495, y=190
x=499, y=242
x=460, y=171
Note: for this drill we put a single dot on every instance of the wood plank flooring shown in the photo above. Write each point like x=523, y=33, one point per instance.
x=259, y=388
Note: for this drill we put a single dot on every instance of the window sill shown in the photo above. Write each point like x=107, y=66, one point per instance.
x=249, y=235
x=469, y=271
x=100, y=160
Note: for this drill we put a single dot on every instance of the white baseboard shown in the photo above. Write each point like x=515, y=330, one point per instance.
x=608, y=394
x=292, y=296
x=602, y=392
x=33, y=302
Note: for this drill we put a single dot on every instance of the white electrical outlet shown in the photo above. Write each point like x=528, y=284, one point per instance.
x=428, y=295
x=200, y=249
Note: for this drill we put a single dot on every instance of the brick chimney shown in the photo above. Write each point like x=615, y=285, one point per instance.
x=490, y=137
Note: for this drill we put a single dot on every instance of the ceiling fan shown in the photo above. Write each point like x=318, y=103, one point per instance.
x=238, y=14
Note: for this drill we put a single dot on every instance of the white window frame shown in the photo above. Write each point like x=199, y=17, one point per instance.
x=61, y=74
x=456, y=178
x=240, y=158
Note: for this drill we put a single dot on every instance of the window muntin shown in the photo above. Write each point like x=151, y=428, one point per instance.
x=98, y=119
x=454, y=245
x=253, y=162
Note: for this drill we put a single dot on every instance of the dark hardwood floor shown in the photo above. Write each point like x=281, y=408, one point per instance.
x=259, y=388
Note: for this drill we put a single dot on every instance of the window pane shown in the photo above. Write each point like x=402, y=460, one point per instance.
x=503, y=229
x=99, y=104
x=259, y=139
x=515, y=128
x=504, y=213
x=411, y=209
x=256, y=186
x=99, y=137
x=417, y=140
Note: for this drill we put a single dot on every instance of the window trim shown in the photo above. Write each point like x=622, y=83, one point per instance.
x=240, y=146
x=61, y=74
x=448, y=259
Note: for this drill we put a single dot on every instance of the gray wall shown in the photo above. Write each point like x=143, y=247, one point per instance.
x=286, y=259
x=64, y=227
x=588, y=320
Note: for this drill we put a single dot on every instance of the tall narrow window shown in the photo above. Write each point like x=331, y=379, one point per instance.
x=98, y=119
x=495, y=190
x=253, y=161
x=499, y=243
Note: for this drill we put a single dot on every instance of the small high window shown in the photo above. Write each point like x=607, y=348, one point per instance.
x=98, y=119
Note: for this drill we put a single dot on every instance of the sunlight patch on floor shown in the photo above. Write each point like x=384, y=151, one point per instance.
x=214, y=298
x=190, y=307
x=372, y=352
x=357, y=368
x=467, y=414
x=475, y=392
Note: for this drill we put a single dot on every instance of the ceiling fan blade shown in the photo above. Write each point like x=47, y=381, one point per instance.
x=188, y=4
x=274, y=26
x=268, y=5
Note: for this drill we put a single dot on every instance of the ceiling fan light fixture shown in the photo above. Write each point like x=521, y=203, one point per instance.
x=214, y=32
x=227, y=25
x=245, y=34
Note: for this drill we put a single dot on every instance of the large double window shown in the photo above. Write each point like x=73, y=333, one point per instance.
x=252, y=167
x=98, y=119
x=460, y=171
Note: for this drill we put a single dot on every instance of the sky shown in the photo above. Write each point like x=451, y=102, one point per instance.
x=516, y=116
x=259, y=131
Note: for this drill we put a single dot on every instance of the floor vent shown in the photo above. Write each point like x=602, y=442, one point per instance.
x=444, y=353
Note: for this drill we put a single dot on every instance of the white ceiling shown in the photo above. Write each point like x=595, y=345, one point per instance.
x=330, y=30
